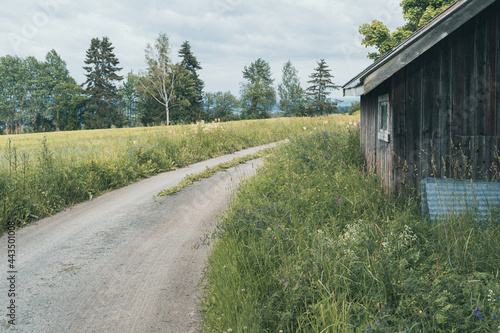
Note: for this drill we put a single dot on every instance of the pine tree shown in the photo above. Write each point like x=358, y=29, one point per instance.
x=189, y=91
x=102, y=107
x=320, y=88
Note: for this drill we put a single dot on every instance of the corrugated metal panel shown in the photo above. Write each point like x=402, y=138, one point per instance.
x=442, y=197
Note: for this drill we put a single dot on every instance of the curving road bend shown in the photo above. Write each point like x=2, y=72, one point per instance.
x=123, y=262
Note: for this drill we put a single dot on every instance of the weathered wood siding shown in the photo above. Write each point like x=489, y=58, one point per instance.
x=445, y=105
x=378, y=153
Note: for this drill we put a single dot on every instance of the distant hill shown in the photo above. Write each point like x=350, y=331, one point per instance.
x=347, y=101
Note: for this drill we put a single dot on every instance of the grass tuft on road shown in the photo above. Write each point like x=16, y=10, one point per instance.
x=191, y=178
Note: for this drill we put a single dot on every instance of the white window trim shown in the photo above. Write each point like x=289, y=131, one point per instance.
x=383, y=135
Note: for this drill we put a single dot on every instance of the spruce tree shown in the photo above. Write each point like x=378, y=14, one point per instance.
x=320, y=88
x=102, y=107
x=189, y=92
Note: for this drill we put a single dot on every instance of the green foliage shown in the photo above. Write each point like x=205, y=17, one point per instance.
x=291, y=94
x=378, y=35
x=191, y=178
x=102, y=104
x=41, y=175
x=220, y=105
x=313, y=244
x=129, y=100
x=257, y=94
x=30, y=91
x=162, y=75
x=319, y=90
x=416, y=13
x=189, y=91
x=356, y=106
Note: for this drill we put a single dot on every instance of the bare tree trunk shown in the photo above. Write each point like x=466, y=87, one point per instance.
x=168, y=114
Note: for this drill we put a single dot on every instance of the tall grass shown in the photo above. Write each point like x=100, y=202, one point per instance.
x=41, y=174
x=312, y=245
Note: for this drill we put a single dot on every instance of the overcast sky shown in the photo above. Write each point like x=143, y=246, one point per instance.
x=225, y=35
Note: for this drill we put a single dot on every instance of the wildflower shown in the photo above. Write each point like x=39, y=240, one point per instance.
x=477, y=312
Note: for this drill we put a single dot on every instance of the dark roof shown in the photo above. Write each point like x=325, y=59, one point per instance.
x=411, y=48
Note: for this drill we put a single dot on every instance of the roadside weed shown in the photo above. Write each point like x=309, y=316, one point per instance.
x=317, y=246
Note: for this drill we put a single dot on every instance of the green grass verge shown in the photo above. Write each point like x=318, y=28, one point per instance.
x=41, y=174
x=312, y=244
x=191, y=178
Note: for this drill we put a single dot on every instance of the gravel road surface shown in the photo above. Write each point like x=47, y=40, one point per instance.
x=123, y=262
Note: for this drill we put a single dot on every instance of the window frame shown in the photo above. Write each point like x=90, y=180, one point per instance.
x=383, y=133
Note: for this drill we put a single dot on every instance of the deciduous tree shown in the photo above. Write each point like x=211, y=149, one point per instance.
x=162, y=74
x=65, y=100
x=257, y=94
x=416, y=13
x=220, y=105
x=291, y=94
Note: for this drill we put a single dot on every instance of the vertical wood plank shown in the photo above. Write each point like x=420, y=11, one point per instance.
x=431, y=104
x=497, y=69
x=458, y=100
x=443, y=138
x=399, y=129
x=413, y=119
x=491, y=68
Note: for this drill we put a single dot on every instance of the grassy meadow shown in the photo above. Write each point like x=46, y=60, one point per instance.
x=41, y=174
x=312, y=244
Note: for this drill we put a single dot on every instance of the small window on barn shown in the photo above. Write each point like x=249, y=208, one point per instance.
x=383, y=117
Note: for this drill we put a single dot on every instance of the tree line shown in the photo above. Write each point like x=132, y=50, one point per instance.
x=40, y=96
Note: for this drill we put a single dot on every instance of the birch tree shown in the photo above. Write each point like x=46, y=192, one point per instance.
x=162, y=74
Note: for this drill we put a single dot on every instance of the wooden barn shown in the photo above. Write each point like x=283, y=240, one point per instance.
x=430, y=107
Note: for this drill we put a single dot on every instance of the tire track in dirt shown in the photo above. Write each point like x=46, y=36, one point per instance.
x=123, y=262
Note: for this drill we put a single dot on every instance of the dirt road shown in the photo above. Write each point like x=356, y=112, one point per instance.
x=123, y=262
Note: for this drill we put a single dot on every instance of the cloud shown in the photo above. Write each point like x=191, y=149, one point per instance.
x=225, y=35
